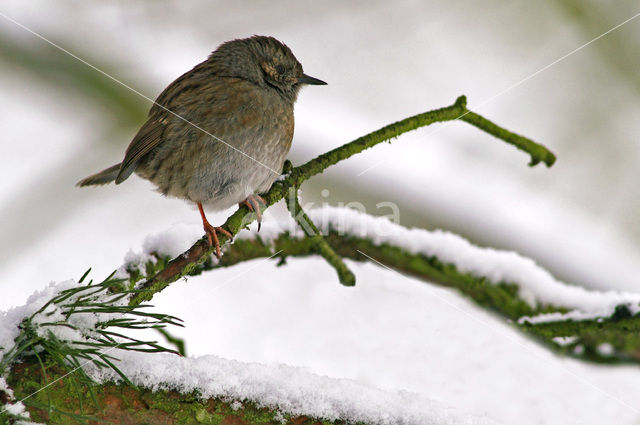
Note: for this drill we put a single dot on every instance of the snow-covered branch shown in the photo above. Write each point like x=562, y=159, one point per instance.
x=501, y=281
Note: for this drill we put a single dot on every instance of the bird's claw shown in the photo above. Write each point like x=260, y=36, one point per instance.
x=253, y=203
x=212, y=237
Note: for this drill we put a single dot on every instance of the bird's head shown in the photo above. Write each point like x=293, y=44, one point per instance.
x=264, y=61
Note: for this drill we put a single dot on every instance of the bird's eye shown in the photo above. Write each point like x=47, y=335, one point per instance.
x=280, y=69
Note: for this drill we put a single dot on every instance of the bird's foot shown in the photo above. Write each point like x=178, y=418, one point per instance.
x=212, y=236
x=211, y=231
x=253, y=203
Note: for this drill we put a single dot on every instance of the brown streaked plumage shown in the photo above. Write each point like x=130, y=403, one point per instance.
x=219, y=134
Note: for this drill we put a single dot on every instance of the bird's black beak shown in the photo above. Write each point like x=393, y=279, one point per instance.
x=305, y=79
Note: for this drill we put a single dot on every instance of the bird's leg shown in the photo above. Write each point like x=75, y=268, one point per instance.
x=253, y=203
x=211, y=232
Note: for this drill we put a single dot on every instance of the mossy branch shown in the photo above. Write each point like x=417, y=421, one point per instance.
x=538, y=152
x=189, y=261
x=456, y=111
x=321, y=246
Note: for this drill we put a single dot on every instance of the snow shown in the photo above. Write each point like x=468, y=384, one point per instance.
x=605, y=349
x=292, y=390
x=564, y=340
x=575, y=315
x=11, y=318
x=172, y=243
x=14, y=407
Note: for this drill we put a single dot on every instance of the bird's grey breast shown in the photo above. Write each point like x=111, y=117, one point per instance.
x=228, y=144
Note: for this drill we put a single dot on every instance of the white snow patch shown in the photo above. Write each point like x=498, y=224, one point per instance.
x=171, y=242
x=605, y=349
x=174, y=241
x=574, y=315
x=290, y=389
x=14, y=407
x=10, y=319
x=280, y=417
x=84, y=324
x=577, y=315
x=564, y=340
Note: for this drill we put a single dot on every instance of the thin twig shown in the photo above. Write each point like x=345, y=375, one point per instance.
x=346, y=276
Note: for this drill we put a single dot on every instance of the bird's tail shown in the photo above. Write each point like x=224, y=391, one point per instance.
x=103, y=177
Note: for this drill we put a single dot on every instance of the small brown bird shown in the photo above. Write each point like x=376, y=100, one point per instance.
x=219, y=134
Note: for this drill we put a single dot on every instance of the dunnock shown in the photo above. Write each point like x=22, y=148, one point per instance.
x=219, y=134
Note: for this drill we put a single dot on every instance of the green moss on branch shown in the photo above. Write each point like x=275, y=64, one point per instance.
x=320, y=245
x=537, y=152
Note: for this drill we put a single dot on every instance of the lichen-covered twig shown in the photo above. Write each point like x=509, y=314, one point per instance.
x=538, y=152
x=199, y=252
x=345, y=275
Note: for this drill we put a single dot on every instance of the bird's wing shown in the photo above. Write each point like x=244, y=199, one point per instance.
x=148, y=137
x=150, y=134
